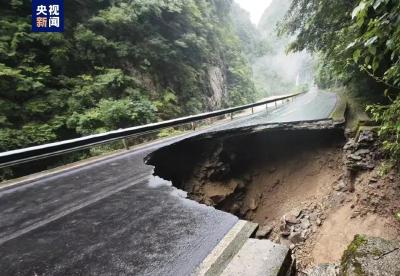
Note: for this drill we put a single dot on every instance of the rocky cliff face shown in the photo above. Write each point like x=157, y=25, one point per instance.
x=218, y=85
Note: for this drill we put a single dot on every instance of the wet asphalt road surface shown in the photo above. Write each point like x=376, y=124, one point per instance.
x=112, y=217
x=311, y=106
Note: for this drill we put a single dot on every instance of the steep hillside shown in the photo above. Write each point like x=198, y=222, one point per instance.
x=119, y=63
x=276, y=72
x=271, y=16
x=252, y=43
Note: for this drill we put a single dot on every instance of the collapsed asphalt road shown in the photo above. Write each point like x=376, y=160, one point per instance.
x=114, y=217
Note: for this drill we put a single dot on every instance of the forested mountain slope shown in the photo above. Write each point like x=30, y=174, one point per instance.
x=119, y=63
x=277, y=72
x=253, y=44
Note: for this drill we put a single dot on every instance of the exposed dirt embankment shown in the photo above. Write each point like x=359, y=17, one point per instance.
x=211, y=168
x=297, y=182
x=239, y=173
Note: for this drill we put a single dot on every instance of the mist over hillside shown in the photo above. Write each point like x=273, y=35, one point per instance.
x=276, y=72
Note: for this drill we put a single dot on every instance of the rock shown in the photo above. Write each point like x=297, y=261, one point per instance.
x=324, y=270
x=264, y=231
x=350, y=144
x=296, y=238
x=370, y=165
x=305, y=224
x=296, y=212
x=366, y=137
x=355, y=157
x=373, y=179
x=362, y=152
x=253, y=204
x=282, y=225
x=341, y=186
x=305, y=234
x=371, y=256
x=291, y=219
x=285, y=233
x=318, y=222
x=360, y=155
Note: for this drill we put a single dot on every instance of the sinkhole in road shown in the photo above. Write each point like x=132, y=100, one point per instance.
x=291, y=180
x=255, y=176
x=260, y=176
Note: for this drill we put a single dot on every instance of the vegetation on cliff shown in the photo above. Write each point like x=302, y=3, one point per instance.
x=119, y=63
x=358, y=42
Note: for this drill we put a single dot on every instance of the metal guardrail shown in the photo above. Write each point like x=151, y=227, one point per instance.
x=14, y=157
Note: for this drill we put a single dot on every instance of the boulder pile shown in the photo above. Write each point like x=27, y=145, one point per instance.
x=298, y=225
x=360, y=152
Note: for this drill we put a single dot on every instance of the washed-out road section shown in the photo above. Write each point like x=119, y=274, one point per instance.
x=113, y=217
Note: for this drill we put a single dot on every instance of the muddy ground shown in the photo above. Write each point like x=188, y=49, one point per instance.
x=294, y=184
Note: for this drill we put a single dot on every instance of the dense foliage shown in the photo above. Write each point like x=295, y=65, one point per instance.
x=119, y=63
x=358, y=42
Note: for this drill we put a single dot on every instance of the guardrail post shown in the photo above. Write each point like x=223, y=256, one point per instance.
x=193, y=125
x=231, y=115
x=124, y=142
x=252, y=110
x=276, y=104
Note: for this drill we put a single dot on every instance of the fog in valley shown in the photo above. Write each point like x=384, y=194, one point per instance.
x=274, y=70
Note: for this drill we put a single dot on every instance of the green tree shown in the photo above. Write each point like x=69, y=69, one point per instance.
x=119, y=63
x=358, y=44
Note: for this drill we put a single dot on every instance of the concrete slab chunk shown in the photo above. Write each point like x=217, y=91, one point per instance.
x=260, y=257
x=223, y=253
